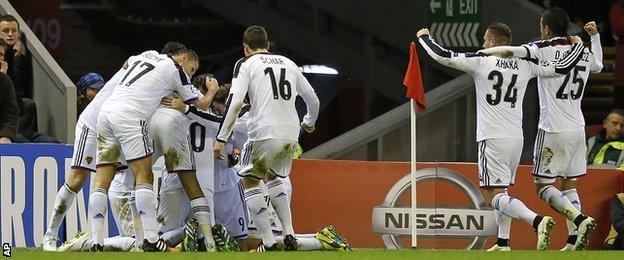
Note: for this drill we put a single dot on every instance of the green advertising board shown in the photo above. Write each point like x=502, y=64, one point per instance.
x=456, y=23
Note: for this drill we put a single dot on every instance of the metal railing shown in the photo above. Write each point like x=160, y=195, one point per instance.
x=457, y=93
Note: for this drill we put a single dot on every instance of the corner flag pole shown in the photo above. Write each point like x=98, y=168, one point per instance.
x=416, y=93
x=413, y=170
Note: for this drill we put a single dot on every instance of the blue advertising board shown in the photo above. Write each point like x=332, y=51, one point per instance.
x=30, y=176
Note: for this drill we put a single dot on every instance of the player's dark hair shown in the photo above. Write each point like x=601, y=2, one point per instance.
x=256, y=37
x=617, y=111
x=557, y=20
x=9, y=18
x=171, y=47
x=222, y=93
x=189, y=54
x=199, y=82
x=501, y=32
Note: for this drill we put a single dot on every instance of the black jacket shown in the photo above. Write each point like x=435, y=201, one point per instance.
x=9, y=111
x=20, y=71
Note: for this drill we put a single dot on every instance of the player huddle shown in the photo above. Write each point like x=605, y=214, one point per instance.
x=227, y=150
x=562, y=66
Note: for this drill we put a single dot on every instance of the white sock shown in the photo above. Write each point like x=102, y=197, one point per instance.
x=573, y=196
x=259, y=213
x=303, y=243
x=557, y=200
x=279, y=200
x=513, y=208
x=136, y=221
x=64, y=198
x=110, y=244
x=297, y=236
x=123, y=244
x=147, y=211
x=504, y=224
x=173, y=237
x=98, y=206
x=201, y=211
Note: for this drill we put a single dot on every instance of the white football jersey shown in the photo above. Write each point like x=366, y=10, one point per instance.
x=150, y=76
x=272, y=83
x=560, y=97
x=500, y=85
x=90, y=114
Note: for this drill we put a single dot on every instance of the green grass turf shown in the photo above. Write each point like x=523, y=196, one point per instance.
x=357, y=255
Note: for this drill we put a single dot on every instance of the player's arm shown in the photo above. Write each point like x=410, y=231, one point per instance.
x=234, y=104
x=306, y=92
x=467, y=62
x=212, y=85
x=596, y=48
x=561, y=67
x=189, y=93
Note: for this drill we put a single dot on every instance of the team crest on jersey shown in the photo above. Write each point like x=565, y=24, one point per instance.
x=89, y=159
x=547, y=155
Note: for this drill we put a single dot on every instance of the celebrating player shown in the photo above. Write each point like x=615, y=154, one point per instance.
x=123, y=131
x=83, y=160
x=500, y=86
x=560, y=147
x=272, y=83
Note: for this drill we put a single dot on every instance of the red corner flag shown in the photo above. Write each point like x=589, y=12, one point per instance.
x=413, y=80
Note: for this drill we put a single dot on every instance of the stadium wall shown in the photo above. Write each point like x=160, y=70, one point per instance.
x=344, y=193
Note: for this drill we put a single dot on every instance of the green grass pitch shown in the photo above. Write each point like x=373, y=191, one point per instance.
x=360, y=254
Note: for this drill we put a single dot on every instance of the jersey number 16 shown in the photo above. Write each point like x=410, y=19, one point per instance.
x=281, y=88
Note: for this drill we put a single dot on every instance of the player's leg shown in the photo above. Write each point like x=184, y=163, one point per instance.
x=201, y=207
x=230, y=213
x=121, y=209
x=109, y=154
x=98, y=204
x=568, y=189
x=577, y=168
x=173, y=210
x=137, y=148
x=83, y=163
x=498, y=160
x=254, y=168
x=552, y=160
x=82, y=242
x=280, y=167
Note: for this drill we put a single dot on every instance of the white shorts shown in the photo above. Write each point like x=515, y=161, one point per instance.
x=259, y=157
x=230, y=211
x=498, y=161
x=121, y=137
x=85, y=148
x=122, y=212
x=171, y=139
x=560, y=155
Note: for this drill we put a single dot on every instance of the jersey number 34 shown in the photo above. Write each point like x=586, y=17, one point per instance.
x=510, y=95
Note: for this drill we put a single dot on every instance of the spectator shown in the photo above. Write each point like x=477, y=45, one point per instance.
x=20, y=71
x=88, y=86
x=606, y=147
x=616, y=17
x=615, y=239
x=9, y=112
